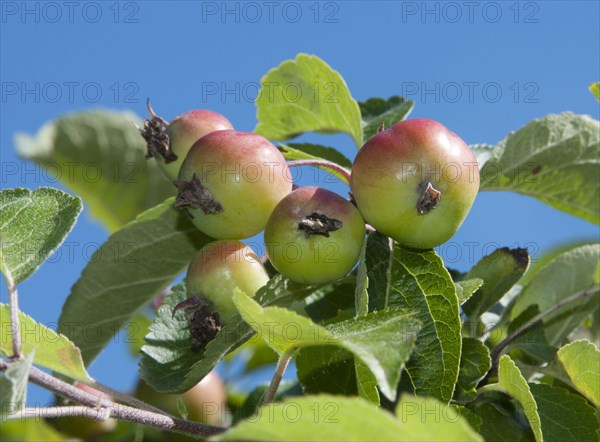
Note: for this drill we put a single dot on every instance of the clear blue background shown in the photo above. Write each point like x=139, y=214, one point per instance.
x=172, y=51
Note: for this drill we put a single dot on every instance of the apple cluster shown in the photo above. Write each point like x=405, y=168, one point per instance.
x=414, y=182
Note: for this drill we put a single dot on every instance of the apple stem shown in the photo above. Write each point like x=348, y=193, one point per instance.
x=284, y=360
x=342, y=172
x=13, y=300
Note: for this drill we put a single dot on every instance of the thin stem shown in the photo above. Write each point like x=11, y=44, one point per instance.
x=130, y=400
x=284, y=360
x=97, y=414
x=13, y=300
x=323, y=164
x=497, y=352
x=117, y=411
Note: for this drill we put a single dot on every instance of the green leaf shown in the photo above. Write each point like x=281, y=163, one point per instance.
x=13, y=385
x=309, y=151
x=32, y=226
x=168, y=362
x=420, y=282
x=466, y=289
x=482, y=152
x=338, y=418
x=512, y=382
x=565, y=416
x=567, y=274
x=499, y=426
x=100, y=155
x=581, y=362
x=366, y=382
x=378, y=258
x=475, y=362
x=361, y=292
x=306, y=95
x=554, y=159
x=533, y=342
x=595, y=89
x=125, y=273
x=135, y=332
x=29, y=430
x=382, y=340
x=306, y=151
x=52, y=350
x=334, y=370
x=499, y=271
x=376, y=111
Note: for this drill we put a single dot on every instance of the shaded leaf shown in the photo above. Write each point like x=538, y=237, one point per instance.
x=567, y=274
x=13, y=385
x=382, y=340
x=100, y=155
x=125, y=273
x=500, y=271
x=377, y=111
x=475, y=362
x=565, y=416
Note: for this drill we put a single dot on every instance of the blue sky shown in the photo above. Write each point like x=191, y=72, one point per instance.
x=481, y=68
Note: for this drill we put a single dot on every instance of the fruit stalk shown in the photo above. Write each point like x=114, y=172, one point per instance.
x=322, y=164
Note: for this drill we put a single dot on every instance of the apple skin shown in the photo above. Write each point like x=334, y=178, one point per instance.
x=205, y=402
x=390, y=169
x=312, y=258
x=184, y=131
x=245, y=174
x=221, y=266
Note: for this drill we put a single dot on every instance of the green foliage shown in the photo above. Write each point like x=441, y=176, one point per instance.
x=125, y=273
x=554, y=159
x=13, y=385
x=52, y=350
x=33, y=224
x=377, y=111
x=100, y=155
x=337, y=418
x=399, y=324
x=306, y=95
x=581, y=361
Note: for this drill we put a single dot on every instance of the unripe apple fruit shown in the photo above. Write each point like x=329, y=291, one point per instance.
x=169, y=143
x=218, y=268
x=314, y=236
x=415, y=182
x=229, y=183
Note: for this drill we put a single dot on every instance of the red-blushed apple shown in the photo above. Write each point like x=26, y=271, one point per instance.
x=415, y=182
x=218, y=268
x=169, y=143
x=229, y=183
x=314, y=236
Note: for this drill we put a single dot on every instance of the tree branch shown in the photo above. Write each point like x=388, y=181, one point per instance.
x=284, y=360
x=117, y=411
x=497, y=351
x=322, y=164
x=97, y=414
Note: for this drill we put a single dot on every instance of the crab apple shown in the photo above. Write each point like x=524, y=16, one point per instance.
x=218, y=268
x=314, y=236
x=170, y=142
x=415, y=182
x=229, y=183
